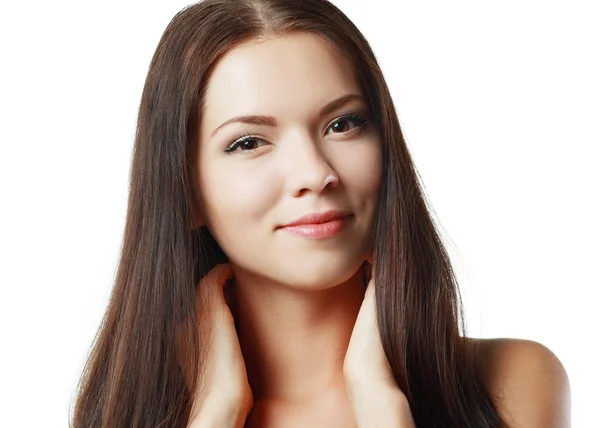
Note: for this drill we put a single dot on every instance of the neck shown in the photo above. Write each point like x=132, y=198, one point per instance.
x=294, y=340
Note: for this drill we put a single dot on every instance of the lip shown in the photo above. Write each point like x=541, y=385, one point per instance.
x=319, y=225
x=318, y=218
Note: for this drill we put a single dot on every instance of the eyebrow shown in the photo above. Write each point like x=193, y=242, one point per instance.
x=271, y=121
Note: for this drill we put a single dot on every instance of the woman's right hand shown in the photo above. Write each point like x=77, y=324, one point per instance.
x=224, y=397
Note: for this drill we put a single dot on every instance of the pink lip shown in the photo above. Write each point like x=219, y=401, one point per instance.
x=322, y=230
x=318, y=218
x=320, y=225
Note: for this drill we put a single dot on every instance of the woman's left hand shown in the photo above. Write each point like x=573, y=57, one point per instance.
x=372, y=388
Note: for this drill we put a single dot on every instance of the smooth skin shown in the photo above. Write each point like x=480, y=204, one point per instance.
x=303, y=311
x=224, y=398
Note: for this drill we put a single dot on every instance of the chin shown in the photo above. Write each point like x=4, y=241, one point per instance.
x=320, y=277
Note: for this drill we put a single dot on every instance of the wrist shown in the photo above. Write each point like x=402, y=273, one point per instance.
x=216, y=413
x=380, y=406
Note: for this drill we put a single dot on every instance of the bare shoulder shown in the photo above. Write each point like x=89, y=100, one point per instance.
x=528, y=382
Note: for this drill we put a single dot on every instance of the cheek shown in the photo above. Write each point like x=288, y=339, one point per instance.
x=232, y=189
x=237, y=203
x=361, y=170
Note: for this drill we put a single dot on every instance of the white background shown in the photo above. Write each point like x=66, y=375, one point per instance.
x=500, y=106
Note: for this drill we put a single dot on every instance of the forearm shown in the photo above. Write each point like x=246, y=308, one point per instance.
x=381, y=408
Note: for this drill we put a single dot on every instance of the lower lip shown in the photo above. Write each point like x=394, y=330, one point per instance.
x=323, y=230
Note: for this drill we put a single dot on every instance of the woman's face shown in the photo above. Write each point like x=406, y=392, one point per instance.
x=248, y=190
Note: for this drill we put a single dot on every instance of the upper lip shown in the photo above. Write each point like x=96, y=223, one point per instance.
x=318, y=218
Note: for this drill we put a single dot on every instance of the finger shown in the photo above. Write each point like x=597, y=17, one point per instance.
x=220, y=274
x=212, y=285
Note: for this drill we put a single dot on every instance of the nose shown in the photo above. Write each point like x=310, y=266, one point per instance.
x=309, y=169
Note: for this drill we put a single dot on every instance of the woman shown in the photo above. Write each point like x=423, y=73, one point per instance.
x=270, y=179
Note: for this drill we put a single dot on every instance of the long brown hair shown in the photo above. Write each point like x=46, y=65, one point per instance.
x=134, y=376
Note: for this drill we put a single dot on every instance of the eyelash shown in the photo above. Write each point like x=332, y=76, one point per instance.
x=244, y=138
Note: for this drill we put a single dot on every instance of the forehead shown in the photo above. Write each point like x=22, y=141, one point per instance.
x=286, y=76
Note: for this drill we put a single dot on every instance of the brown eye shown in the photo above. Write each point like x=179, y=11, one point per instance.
x=337, y=127
x=246, y=143
x=341, y=125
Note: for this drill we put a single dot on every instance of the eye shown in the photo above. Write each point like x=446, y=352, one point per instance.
x=338, y=125
x=246, y=143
